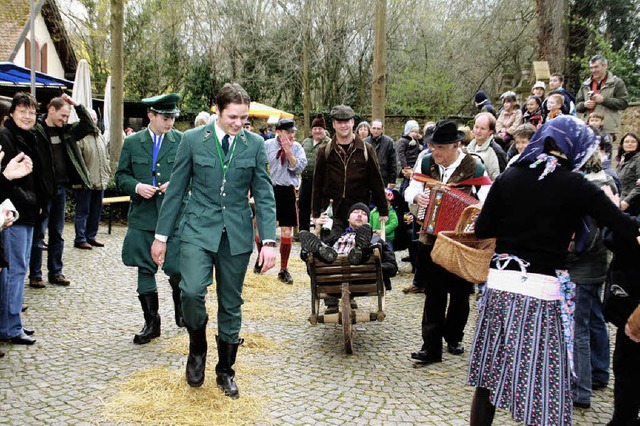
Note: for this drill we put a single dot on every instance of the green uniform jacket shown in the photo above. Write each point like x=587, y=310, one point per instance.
x=209, y=212
x=134, y=167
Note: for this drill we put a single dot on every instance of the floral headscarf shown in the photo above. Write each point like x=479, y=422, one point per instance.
x=576, y=140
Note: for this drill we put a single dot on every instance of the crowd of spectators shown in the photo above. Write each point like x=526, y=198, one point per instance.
x=548, y=180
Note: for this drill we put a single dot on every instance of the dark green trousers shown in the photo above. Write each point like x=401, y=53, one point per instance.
x=136, y=251
x=197, y=265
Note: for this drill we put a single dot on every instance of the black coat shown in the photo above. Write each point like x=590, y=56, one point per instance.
x=535, y=219
x=27, y=194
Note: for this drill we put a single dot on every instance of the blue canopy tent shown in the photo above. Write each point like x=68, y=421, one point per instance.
x=14, y=75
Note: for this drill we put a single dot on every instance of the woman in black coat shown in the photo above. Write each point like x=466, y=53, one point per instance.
x=27, y=195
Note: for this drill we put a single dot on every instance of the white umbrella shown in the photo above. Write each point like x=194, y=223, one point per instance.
x=82, y=89
x=106, y=113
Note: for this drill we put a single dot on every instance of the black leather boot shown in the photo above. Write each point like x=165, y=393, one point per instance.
x=174, y=280
x=225, y=374
x=197, y=359
x=151, y=328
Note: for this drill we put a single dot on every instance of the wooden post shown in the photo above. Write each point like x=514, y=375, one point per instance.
x=378, y=87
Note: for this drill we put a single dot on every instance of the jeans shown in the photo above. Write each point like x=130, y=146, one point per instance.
x=591, y=342
x=17, y=242
x=56, y=242
x=87, y=215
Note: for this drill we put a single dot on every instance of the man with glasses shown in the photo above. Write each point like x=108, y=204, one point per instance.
x=446, y=307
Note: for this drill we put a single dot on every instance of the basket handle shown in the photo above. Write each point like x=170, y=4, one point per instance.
x=466, y=215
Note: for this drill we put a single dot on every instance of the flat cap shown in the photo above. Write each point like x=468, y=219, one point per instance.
x=163, y=104
x=286, y=124
x=342, y=112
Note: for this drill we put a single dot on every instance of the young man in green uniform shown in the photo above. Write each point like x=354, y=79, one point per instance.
x=144, y=168
x=219, y=163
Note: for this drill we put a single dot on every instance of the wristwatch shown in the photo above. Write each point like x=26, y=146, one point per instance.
x=269, y=244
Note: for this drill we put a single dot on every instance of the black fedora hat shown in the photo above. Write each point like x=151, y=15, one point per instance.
x=445, y=132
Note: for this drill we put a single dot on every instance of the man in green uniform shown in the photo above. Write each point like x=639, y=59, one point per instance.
x=221, y=162
x=144, y=169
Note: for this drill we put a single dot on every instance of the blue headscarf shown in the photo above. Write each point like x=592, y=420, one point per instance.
x=574, y=138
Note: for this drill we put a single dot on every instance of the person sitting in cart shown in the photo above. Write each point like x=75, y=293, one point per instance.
x=357, y=242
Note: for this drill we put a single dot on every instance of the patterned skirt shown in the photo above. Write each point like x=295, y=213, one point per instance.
x=519, y=354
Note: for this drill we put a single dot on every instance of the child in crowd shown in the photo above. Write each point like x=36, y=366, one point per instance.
x=595, y=120
x=522, y=135
x=510, y=117
x=392, y=223
x=533, y=112
x=554, y=106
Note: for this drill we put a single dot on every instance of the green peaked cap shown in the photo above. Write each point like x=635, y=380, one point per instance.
x=163, y=104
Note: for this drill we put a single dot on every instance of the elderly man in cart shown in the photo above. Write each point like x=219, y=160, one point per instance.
x=357, y=242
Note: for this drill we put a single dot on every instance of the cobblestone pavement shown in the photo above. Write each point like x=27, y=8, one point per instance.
x=85, y=348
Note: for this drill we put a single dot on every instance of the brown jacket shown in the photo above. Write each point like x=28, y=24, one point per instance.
x=355, y=180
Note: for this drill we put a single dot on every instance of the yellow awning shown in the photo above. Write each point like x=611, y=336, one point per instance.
x=259, y=110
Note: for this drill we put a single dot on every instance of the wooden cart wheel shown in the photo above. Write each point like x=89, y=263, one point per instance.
x=346, y=319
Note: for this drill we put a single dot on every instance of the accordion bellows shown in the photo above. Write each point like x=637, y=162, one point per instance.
x=445, y=208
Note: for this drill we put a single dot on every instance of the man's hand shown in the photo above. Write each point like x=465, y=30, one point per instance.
x=590, y=104
x=7, y=219
x=163, y=187
x=407, y=172
x=146, y=191
x=158, y=250
x=632, y=328
x=615, y=198
x=597, y=98
x=267, y=258
x=422, y=199
x=19, y=166
x=68, y=99
x=286, y=142
x=384, y=219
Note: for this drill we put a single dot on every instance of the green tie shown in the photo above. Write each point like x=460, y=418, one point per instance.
x=225, y=144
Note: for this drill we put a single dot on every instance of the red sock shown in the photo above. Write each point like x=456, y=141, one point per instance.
x=285, y=251
x=258, y=243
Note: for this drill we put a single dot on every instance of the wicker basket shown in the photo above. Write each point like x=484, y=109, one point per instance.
x=461, y=253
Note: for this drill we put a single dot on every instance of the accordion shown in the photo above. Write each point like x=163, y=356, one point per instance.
x=445, y=208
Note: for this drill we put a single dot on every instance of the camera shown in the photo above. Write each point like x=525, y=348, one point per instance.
x=591, y=93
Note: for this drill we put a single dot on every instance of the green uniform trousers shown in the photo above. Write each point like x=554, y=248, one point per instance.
x=136, y=251
x=197, y=265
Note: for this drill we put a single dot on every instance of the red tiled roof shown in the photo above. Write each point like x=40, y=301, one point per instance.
x=14, y=15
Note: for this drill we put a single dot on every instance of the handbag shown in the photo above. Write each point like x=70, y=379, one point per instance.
x=618, y=303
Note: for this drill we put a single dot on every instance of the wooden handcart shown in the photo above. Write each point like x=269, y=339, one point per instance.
x=345, y=281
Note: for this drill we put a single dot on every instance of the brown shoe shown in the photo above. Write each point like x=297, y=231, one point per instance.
x=95, y=243
x=83, y=245
x=59, y=280
x=36, y=283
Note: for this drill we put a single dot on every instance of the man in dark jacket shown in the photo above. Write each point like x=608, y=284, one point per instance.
x=356, y=243
x=62, y=166
x=386, y=152
x=346, y=172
